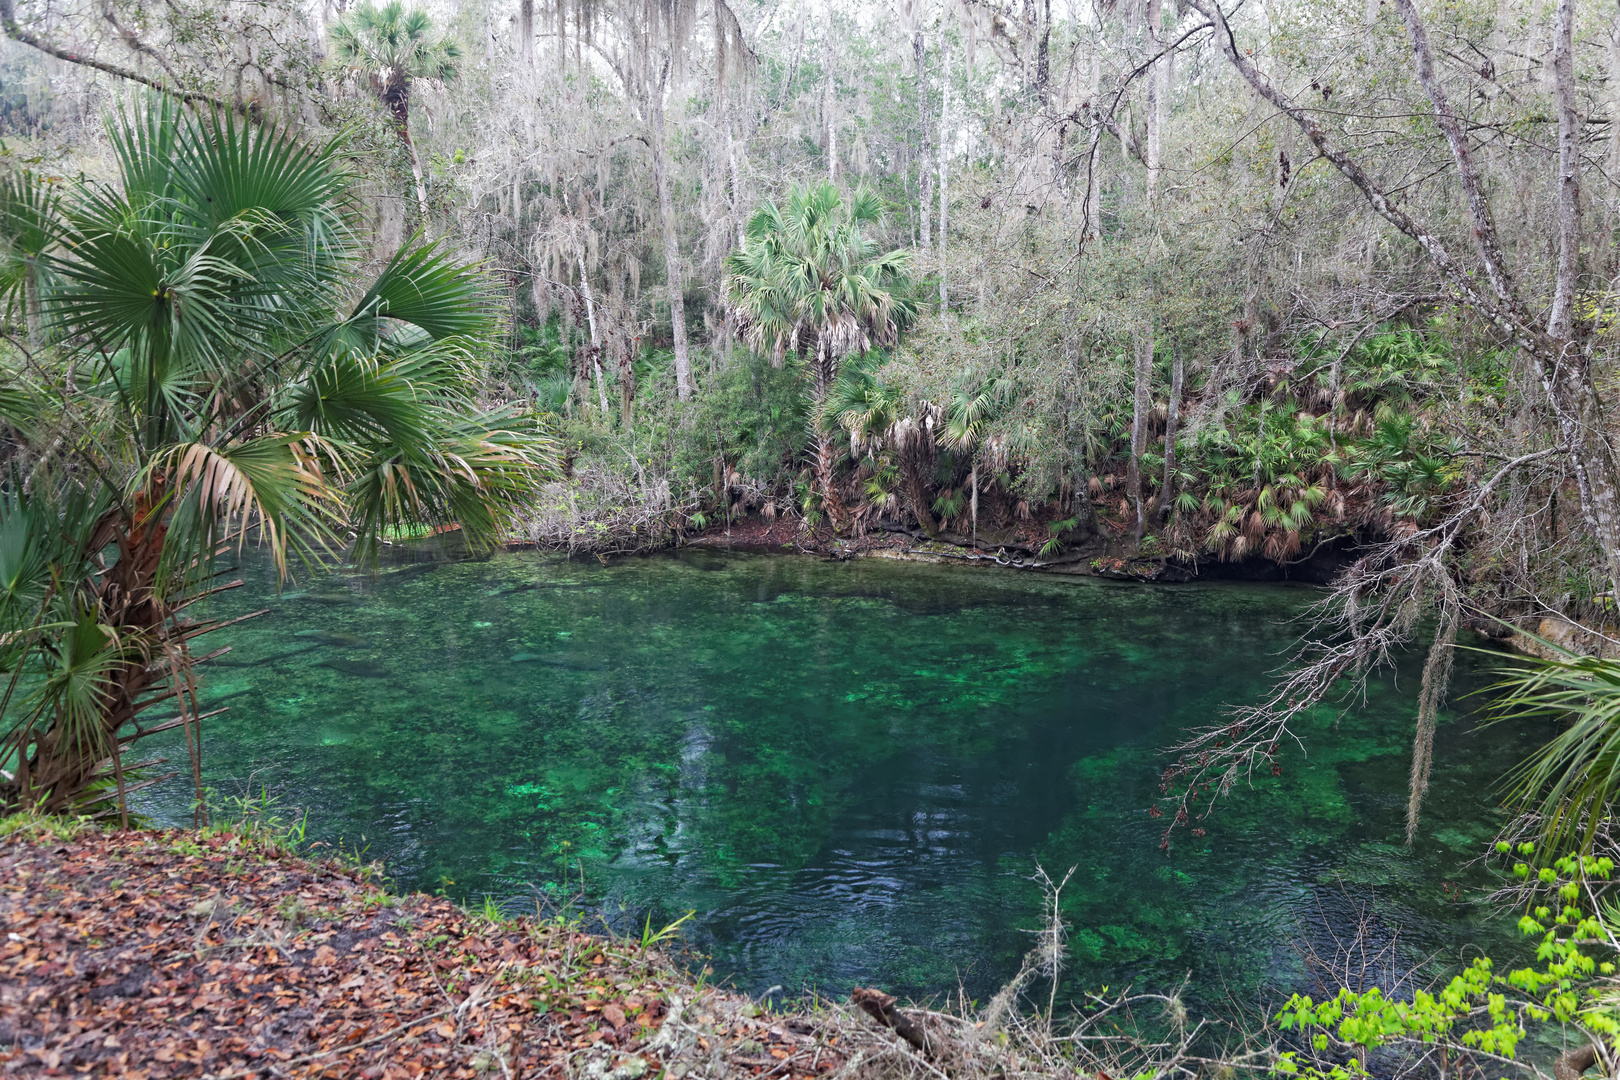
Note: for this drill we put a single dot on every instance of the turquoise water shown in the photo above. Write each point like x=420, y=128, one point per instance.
x=847, y=770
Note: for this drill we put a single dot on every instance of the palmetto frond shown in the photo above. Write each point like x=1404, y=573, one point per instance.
x=30, y=226
x=231, y=382
x=474, y=474
x=274, y=482
x=809, y=279
x=1572, y=781
x=972, y=403
x=377, y=39
x=425, y=290
x=80, y=662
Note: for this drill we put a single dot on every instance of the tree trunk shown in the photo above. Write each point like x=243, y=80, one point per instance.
x=1167, y=493
x=672, y=254
x=525, y=49
x=1155, y=102
x=397, y=98
x=826, y=448
x=596, y=339
x=64, y=761
x=917, y=492
x=1560, y=320
x=1568, y=372
x=721, y=67
x=1093, y=208
x=739, y=207
x=1612, y=100
x=1139, y=411
x=1572, y=1063
x=826, y=477
x=925, y=172
x=973, y=499
x=828, y=100
x=416, y=175
x=1043, y=53
x=944, y=140
x=627, y=387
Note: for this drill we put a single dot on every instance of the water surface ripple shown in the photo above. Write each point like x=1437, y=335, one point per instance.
x=848, y=771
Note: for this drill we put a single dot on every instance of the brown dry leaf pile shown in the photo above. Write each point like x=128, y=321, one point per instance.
x=179, y=954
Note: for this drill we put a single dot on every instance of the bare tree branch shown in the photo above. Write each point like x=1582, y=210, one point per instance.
x=15, y=30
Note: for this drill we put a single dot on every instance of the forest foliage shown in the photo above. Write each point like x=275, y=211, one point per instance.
x=1178, y=282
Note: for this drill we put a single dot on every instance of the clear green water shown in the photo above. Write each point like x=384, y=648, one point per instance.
x=848, y=771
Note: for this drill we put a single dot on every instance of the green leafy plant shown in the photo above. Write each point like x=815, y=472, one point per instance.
x=1572, y=782
x=229, y=381
x=651, y=939
x=1055, y=530
x=809, y=278
x=1480, y=1009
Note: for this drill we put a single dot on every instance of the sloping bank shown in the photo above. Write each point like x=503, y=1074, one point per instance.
x=213, y=954
x=221, y=954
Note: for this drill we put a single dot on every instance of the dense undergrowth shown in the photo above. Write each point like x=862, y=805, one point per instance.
x=1321, y=446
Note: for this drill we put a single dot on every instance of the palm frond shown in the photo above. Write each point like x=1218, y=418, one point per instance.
x=425, y=289
x=273, y=483
x=1572, y=781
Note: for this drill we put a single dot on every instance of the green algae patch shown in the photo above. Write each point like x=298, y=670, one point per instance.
x=847, y=770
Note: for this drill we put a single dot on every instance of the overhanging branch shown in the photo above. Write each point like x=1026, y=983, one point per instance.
x=16, y=32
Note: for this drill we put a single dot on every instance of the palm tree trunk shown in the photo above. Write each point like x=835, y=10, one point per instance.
x=826, y=459
x=397, y=96
x=63, y=764
x=826, y=450
x=918, y=494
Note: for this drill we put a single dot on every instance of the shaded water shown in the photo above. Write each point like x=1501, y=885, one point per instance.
x=848, y=771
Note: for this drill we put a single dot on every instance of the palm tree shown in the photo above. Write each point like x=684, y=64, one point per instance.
x=809, y=279
x=389, y=46
x=876, y=418
x=27, y=208
x=232, y=384
x=967, y=415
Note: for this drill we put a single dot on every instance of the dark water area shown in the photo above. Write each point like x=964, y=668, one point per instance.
x=849, y=771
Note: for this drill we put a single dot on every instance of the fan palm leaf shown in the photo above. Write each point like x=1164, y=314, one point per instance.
x=1570, y=783
x=809, y=279
x=232, y=382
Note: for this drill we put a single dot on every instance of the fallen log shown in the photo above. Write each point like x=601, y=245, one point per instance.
x=1572, y=1063
x=880, y=1007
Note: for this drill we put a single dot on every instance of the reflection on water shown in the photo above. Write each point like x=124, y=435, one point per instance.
x=848, y=771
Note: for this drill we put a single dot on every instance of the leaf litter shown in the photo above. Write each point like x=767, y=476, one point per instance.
x=157, y=954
